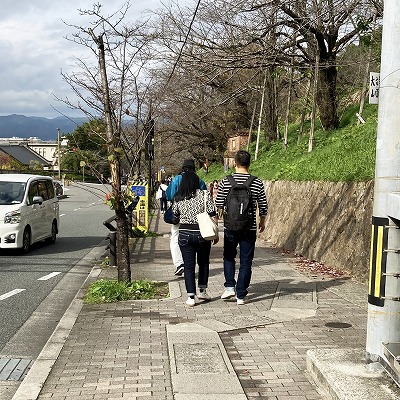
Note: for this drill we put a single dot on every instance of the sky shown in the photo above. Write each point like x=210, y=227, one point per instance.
x=33, y=51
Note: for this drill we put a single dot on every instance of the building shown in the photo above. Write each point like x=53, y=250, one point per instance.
x=236, y=141
x=28, y=151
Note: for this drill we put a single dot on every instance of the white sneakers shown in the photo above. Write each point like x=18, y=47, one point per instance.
x=228, y=293
x=239, y=302
x=201, y=296
x=190, y=302
x=204, y=295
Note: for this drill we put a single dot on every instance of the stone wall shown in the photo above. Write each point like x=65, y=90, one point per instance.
x=323, y=221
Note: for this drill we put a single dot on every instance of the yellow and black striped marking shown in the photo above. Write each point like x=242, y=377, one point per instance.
x=377, y=264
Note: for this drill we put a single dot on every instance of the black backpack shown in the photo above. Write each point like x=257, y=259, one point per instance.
x=238, y=205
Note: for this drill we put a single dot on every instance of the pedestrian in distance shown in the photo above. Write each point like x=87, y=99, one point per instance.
x=161, y=195
x=177, y=259
x=239, y=196
x=214, y=189
x=188, y=202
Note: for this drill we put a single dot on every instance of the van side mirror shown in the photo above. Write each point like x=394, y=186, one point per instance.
x=37, y=200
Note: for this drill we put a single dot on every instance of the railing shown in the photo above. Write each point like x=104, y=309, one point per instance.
x=112, y=236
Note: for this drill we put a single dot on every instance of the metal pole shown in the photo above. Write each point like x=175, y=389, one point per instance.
x=383, y=326
x=113, y=249
x=58, y=153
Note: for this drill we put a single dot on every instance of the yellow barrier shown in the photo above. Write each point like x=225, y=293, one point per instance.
x=377, y=265
x=141, y=189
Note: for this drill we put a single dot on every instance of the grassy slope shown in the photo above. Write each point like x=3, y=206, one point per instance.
x=346, y=154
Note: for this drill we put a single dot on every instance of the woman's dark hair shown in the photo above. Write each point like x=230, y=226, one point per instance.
x=187, y=188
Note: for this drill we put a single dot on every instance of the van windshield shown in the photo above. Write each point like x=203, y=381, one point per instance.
x=12, y=192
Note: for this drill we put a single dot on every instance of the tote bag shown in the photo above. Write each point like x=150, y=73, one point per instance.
x=208, y=228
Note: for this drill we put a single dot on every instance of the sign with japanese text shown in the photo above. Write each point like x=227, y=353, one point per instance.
x=374, y=82
x=140, y=189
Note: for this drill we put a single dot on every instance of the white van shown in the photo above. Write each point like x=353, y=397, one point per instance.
x=29, y=210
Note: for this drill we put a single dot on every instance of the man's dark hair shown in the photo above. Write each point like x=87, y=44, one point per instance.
x=187, y=188
x=242, y=158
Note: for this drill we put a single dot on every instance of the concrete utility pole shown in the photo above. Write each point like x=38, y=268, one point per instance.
x=58, y=154
x=383, y=328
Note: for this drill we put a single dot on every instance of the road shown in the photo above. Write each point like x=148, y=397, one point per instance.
x=37, y=288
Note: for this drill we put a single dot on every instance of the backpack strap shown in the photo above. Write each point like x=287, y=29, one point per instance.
x=248, y=182
x=232, y=181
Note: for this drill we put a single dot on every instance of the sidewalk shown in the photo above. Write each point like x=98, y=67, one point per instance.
x=162, y=349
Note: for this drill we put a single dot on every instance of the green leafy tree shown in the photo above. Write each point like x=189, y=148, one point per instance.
x=87, y=143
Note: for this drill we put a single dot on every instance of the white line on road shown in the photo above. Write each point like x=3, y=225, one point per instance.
x=61, y=215
x=12, y=293
x=49, y=276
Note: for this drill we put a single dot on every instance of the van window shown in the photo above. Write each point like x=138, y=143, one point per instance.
x=33, y=191
x=42, y=189
x=50, y=189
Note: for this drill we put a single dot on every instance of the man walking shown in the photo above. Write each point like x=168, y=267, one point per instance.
x=238, y=196
x=173, y=187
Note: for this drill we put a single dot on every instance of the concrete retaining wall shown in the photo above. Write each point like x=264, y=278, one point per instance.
x=324, y=221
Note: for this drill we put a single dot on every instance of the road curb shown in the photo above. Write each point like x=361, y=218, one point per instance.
x=30, y=387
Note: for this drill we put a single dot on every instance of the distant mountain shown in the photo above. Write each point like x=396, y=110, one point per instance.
x=43, y=128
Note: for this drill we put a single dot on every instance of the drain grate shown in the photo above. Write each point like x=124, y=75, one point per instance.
x=14, y=369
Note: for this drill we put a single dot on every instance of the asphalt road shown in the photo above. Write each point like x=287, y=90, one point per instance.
x=37, y=288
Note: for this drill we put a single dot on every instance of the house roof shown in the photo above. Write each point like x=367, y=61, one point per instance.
x=238, y=133
x=23, y=154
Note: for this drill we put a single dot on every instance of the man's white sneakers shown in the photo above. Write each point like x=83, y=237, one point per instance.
x=228, y=294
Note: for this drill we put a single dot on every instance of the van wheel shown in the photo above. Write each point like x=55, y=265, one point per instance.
x=26, y=240
x=52, y=238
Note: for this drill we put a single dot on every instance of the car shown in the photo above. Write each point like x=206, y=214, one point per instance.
x=29, y=211
x=59, y=188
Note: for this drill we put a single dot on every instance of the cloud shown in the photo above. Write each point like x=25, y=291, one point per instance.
x=33, y=51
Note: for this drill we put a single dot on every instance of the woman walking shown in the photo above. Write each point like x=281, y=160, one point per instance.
x=188, y=202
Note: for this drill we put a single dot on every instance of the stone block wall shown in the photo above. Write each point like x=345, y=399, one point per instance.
x=323, y=221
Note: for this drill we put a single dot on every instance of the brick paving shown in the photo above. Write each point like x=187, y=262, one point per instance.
x=120, y=350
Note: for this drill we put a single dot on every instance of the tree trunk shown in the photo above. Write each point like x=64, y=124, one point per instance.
x=305, y=110
x=270, y=124
x=326, y=96
x=113, y=138
x=314, y=104
x=260, y=117
x=122, y=250
x=288, y=103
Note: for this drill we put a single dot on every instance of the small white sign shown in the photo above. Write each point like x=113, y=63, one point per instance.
x=374, y=82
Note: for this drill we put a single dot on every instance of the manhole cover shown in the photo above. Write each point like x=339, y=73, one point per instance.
x=339, y=325
x=14, y=369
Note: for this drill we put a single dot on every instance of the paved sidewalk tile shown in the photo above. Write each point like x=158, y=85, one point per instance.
x=119, y=351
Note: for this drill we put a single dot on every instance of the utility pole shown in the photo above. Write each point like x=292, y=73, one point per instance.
x=383, y=327
x=58, y=154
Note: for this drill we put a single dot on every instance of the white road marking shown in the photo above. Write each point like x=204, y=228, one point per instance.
x=49, y=276
x=12, y=293
x=61, y=215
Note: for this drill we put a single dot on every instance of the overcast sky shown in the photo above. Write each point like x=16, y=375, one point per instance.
x=33, y=51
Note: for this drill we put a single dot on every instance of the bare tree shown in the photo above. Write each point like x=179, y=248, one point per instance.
x=258, y=35
x=107, y=91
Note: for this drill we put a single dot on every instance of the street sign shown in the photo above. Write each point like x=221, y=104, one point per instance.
x=374, y=82
x=139, y=190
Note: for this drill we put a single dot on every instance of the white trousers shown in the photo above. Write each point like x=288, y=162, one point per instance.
x=174, y=246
